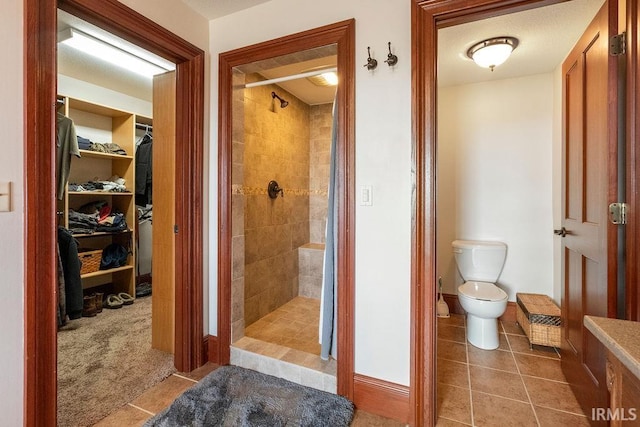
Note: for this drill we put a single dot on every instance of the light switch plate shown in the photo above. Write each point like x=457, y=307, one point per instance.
x=5, y=196
x=366, y=195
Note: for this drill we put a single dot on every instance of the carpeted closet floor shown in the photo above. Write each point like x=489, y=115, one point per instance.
x=105, y=362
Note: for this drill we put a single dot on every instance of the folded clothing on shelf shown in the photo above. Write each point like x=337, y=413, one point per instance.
x=115, y=184
x=108, y=147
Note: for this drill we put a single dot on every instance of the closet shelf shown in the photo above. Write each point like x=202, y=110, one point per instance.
x=98, y=193
x=109, y=271
x=106, y=156
x=101, y=233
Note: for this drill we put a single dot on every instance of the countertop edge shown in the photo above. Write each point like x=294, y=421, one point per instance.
x=590, y=322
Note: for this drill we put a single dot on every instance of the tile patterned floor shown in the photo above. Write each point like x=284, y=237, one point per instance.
x=513, y=385
x=293, y=325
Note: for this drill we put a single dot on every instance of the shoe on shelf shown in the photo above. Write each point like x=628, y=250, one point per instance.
x=113, y=301
x=126, y=298
x=89, y=306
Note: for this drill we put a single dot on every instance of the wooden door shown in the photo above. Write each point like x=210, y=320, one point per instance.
x=164, y=218
x=589, y=185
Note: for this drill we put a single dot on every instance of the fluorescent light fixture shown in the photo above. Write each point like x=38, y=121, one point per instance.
x=492, y=52
x=108, y=52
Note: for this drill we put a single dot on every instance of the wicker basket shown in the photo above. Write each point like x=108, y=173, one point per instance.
x=539, y=316
x=90, y=261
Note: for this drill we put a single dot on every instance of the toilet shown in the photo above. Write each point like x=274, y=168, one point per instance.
x=480, y=264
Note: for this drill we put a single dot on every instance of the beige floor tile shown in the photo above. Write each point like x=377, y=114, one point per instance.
x=163, y=394
x=503, y=344
x=542, y=367
x=520, y=344
x=491, y=410
x=453, y=320
x=452, y=351
x=550, y=418
x=454, y=403
x=125, y=416
x=444, y=422
x=367, y=419
x=496, y=359
x=500, y=383
x=453, y=373
x=451, y=333
x=201, y=372
x=551, y=394
x=512, y=328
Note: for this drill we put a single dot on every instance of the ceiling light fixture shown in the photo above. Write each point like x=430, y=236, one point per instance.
x=329, y=78
x=108, y=52
x=492, y=52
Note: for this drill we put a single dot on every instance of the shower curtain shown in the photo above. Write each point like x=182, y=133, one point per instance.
x=328, y=298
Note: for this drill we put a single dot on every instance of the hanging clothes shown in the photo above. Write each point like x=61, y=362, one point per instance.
x=144, y=175
x=71, y=268
x=66, y=146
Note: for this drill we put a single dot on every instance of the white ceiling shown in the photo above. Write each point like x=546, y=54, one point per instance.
x=212, y=9
x=546, y=35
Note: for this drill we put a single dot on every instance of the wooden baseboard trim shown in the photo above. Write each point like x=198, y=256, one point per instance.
x=213, y=351
x=381, y=398
x=455, y=308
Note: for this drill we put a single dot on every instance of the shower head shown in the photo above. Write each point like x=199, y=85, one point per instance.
x=283, y=103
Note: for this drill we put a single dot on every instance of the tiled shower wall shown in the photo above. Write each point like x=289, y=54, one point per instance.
x=320, y=152
x=290, y=145
x=276, y=147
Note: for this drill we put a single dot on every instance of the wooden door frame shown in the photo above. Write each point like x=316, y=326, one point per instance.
x=342, y=34
x=426, y=18
x=40, y=75
x=632, y=274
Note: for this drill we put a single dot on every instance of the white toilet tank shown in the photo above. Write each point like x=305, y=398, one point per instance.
x=479, y=260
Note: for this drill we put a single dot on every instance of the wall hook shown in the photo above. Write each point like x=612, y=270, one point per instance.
x=391, y=58
x=371, y=62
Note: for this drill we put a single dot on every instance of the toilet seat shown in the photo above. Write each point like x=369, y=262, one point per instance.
x=482, y=291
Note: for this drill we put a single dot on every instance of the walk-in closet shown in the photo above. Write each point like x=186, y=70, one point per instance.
x=115, y=218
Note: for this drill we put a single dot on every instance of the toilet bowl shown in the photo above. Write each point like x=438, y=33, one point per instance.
x=480, y=264
x=484, y=303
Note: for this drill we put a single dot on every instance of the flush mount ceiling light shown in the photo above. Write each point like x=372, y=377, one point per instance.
x=492, y=52
x=108, y=52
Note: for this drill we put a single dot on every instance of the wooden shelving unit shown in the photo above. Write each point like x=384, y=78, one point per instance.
x=103, y=124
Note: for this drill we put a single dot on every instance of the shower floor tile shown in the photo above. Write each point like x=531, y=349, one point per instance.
x=293, y=325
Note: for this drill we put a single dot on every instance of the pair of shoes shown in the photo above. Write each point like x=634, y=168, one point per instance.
x=113, y=301
x=89, y=306
x=126, y=298
x=117, y=301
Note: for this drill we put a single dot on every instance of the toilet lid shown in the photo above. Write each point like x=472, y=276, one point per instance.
x=482, y=291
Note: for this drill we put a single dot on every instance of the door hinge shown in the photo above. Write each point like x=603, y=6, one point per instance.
x=618, y=213
x=618, y=44
x=175, y=229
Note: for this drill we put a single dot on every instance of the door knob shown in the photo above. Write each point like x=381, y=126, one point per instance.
x=562, y=232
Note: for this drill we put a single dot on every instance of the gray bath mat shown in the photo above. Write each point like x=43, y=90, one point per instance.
x=233, y=396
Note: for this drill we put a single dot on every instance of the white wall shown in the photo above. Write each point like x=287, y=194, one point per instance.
x=383, y=160
x=12, y=223
x=495, y=177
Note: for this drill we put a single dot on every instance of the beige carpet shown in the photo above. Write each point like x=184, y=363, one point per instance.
x=105, y=362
